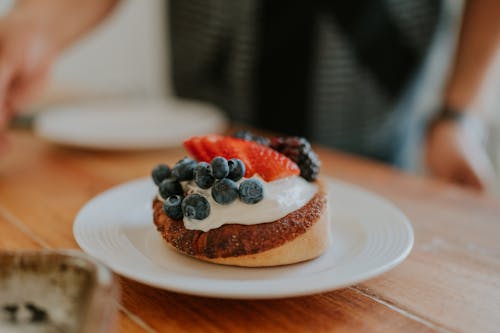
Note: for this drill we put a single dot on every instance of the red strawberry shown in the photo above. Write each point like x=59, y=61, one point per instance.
x=194, y=146
x=270, y=164
x=266, y=162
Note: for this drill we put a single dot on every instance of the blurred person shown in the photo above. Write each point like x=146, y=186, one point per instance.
x=375, y=78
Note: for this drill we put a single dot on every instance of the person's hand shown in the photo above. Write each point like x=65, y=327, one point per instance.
x=454, y=152
x=26, y=56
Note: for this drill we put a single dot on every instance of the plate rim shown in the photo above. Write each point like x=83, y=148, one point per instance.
x=241, y=293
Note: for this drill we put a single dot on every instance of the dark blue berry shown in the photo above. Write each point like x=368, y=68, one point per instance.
x=251, y=191
x=159, y=173
x=203, y=175
x=236, y=169
x=225, y=191
x=249, y=136
x=172, y=207
x=183, y=170
x=195, y=206
x=220, y=168
x=170, y=186
x=299, y=150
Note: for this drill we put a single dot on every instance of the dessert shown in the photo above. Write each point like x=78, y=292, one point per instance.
x=244, y=201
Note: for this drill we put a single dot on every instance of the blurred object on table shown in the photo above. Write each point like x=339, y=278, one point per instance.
x=127, y=124
x=49, y=291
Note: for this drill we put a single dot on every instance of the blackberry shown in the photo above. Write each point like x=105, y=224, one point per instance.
x=249, y=136
x=299, y=150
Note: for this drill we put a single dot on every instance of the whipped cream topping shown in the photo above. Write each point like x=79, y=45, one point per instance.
x=281, y=197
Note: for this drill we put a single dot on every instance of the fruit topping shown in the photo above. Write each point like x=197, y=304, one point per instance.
x=249, y=136
x=220, y=168
x=195, y=206
x=172, y=207
x=223, y=161
x=220, y=175
x=266, y=162
x=159, y=173
x=269, y=164
x=203, y=175
x=299, y=150
x=251, y=191
x=225, y=191
x=195, y=146
x=236, y=169
x=183, y=170
x=170, y=186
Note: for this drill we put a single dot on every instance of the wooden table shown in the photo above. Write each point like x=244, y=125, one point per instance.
x=450, y=282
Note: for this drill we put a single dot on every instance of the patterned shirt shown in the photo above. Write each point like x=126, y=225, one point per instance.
x=335, y=71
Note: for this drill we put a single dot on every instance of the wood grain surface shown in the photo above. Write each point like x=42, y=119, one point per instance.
x=450, y=282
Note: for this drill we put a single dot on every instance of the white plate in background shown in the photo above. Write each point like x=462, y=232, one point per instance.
x=128, y=124
x=370, y=236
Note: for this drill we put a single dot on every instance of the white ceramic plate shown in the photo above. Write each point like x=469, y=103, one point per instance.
x=128, y=124
x=370, y=237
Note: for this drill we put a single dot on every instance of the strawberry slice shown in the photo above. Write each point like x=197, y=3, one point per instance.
x=266, y=162
x=270, y=164
x=194, y=146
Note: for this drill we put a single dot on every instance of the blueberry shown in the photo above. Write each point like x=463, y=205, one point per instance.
x=195, y=206
x=183, y=170
x=225, y=191
x=251, y=191
x=236, y=169
x=170, y=186
x=220, y=168
x=159, y=173
x=203, y=175
x=172, y=207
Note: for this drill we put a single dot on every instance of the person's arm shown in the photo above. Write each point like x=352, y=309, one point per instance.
x=32, y=35
x=451, y=153
x=63, y=20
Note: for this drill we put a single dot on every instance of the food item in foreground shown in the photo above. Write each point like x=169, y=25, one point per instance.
x=299, y=150
x=242, y=203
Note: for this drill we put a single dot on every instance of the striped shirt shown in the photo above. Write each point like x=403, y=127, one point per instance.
x=334, y=71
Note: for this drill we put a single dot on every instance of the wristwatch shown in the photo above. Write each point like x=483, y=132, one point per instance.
x=448, y=114
x=472, y=124
x=453, y=114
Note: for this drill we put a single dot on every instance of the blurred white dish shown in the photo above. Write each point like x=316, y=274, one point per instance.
x=370, y=236
x=128, y=124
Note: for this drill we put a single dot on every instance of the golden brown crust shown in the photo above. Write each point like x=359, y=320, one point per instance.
x=307, y=246
x=232, y=241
